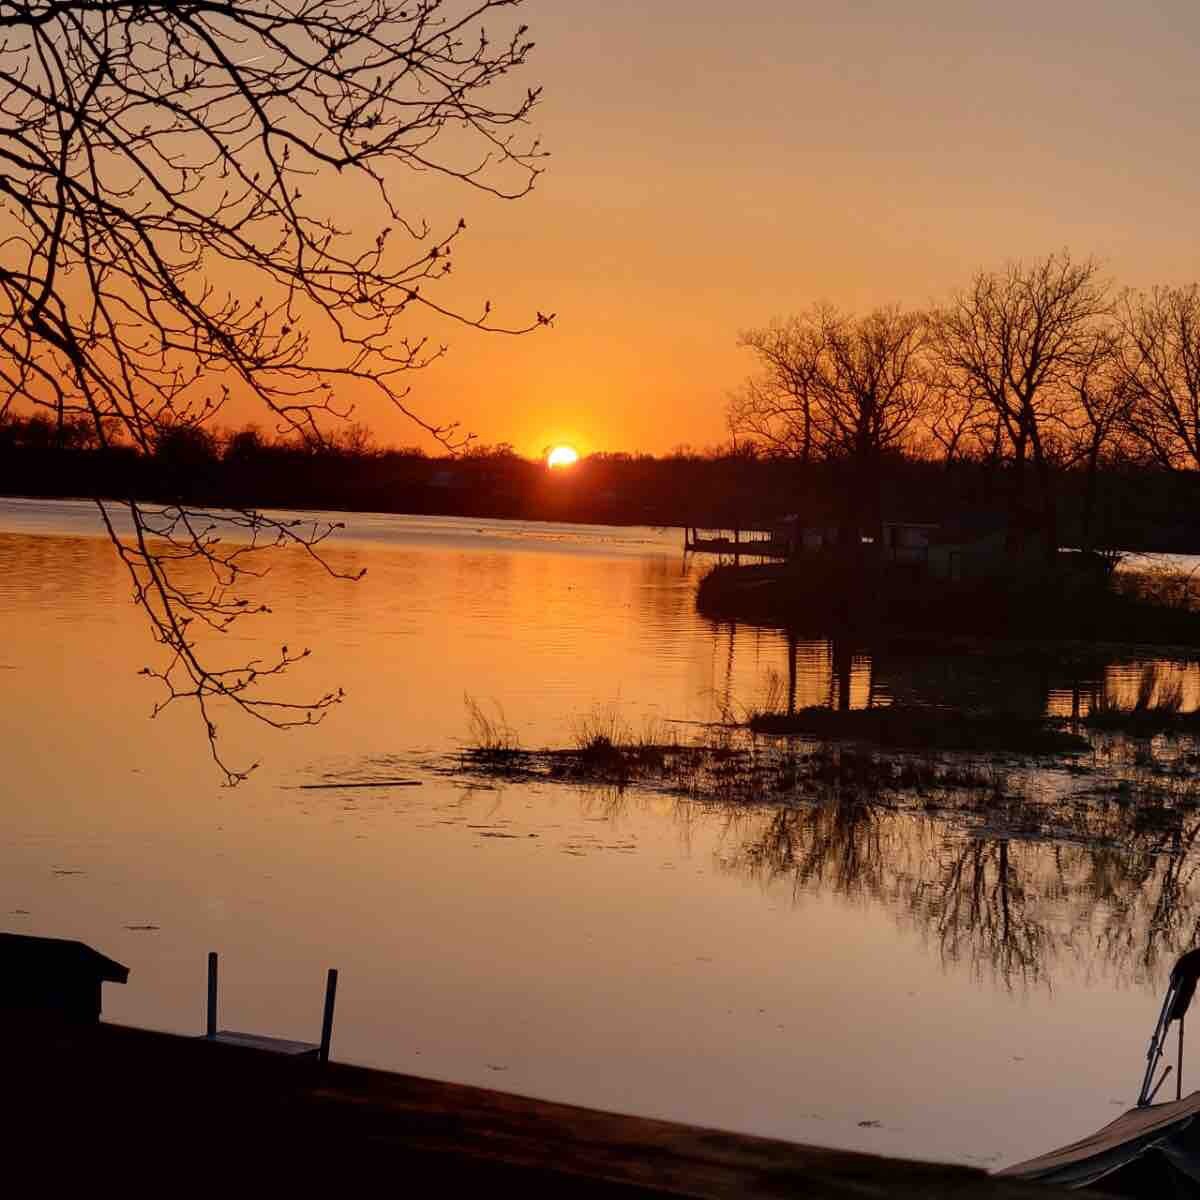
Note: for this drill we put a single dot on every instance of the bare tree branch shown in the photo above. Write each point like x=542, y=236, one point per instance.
x=158, y=255
x=1162, y=371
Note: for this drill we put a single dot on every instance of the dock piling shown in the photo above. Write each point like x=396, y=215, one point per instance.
x=211, y=1027
x=327, y=1015
x=261, y=1041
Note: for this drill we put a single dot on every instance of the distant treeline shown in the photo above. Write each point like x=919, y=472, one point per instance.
x=1140, y=506
x=1043, y=375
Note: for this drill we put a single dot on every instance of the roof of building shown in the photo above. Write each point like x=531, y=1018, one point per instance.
x=970, y=527
x=20, y=952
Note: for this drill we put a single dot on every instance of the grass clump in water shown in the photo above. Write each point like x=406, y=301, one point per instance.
x=723, y=763
x=490, y=737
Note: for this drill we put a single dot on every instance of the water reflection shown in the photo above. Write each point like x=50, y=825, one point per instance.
x=460, y=946
x=1104, y=883
x=783, y=671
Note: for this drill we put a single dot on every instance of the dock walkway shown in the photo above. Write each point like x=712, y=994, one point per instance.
x=154, y=1111
x=737, y=543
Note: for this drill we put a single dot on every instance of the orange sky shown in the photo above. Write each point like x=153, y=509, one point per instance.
x=716, y=165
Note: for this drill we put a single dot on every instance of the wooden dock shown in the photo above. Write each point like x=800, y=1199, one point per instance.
x=736, y=543
x=151, y=1112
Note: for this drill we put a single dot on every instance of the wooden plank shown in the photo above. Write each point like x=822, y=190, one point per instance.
x=258, y=1041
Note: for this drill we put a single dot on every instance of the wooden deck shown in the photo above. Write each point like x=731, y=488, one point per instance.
x=736, y=543
x=154, y=1112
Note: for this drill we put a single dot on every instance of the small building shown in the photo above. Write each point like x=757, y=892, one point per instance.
x=907, y=541
x=54, y=976
x=810, y=538
x=971, y=546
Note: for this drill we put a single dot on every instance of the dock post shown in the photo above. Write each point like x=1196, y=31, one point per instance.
x=327, y=1016
x=211, y=1028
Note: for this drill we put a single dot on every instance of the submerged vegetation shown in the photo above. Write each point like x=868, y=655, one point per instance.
x=1008, y=859
x=917, y=727
x=727, y=764
x=890, y=755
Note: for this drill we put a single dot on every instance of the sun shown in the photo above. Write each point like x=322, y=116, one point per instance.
x=562, y=456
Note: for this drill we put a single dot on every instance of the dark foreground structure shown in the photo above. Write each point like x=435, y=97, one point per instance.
x=156, y=1113
x=1150, y=1151
x=1154, y=1149
x=52, y=975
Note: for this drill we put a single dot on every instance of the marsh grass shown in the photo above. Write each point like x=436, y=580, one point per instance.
x=1125, y=789
x=601, y=732
x=721, y=763
x=490, y=736
x=1157, y=706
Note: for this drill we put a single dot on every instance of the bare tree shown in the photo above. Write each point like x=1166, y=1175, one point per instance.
x=838, y=388
x=1100, y=429
x=775, y=406
x=1016, y=340
x=873, y=383
x=160, y=255
x=957, y=425
x=1162, y=370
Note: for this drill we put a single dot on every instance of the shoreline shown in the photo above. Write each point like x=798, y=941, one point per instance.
x=869, y=606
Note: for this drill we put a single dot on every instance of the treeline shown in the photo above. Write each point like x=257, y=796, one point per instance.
x=348, y=471
x=1141, y=507
x=1044, y=375
x=1040, y=392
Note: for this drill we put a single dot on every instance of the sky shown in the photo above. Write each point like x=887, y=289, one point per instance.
x=714, y=166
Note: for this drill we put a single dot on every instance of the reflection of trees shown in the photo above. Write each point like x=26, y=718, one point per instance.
x=842, y=847
x=1102, y=880
x=985, y=909
x=1150, y=898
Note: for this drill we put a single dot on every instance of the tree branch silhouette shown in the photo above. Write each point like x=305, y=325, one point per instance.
x=158, y=255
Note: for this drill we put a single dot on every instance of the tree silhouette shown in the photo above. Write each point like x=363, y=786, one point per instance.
x=1162, y=372
x=837, y=387
x=161, y=254
x=1016, y=342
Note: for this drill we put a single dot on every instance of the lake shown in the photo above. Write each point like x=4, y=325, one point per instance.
x=884, y=980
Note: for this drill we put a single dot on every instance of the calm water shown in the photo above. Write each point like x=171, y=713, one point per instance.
x=889, y=981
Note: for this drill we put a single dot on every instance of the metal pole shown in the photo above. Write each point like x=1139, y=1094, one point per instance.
x=1155, y=1050
x=1179, y=1074
x=212, y=994
x=327, y=1016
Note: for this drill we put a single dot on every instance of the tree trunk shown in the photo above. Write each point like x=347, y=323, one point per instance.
x=1087, y=541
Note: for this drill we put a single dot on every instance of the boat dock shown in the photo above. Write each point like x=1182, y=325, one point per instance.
x=153, y=1110
x=737, y=543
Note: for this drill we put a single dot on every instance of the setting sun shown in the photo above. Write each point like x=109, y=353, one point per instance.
x=562, y=456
